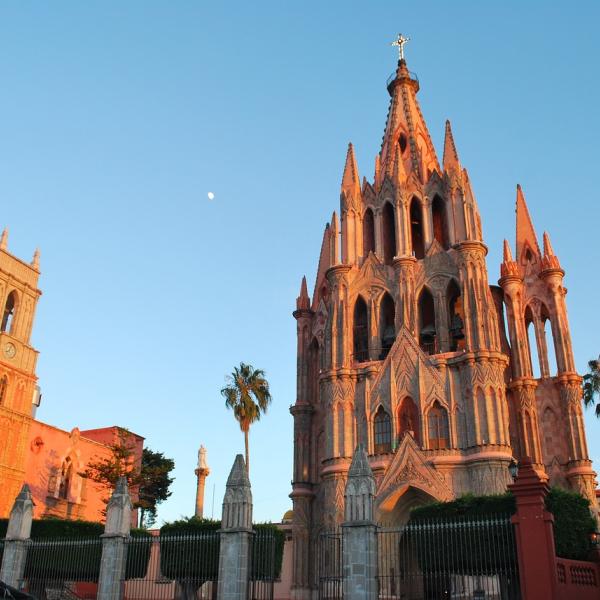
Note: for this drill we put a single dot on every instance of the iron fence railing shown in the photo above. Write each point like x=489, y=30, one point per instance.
x=262, y=572
x=62, y=567
x=454, y=559
x=166, y=567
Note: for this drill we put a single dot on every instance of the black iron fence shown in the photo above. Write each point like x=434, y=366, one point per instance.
x=62, y=568
x=454, y=559
x=263, y=568
x=169, y=567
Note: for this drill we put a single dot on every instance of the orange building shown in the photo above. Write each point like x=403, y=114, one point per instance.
x=49, y=459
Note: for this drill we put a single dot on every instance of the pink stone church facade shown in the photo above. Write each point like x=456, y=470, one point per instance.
x=405, y=346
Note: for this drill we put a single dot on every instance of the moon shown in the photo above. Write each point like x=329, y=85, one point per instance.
x=211, y=196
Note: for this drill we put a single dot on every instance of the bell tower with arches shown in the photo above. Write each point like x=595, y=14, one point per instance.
x=403, y=345
x=18, y=298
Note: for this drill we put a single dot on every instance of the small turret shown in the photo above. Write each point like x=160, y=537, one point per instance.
x=333, y=239
x=350, y=179
x=450, y=160
x=4, y=239
x=549, y=260
x=509, y=268
x=35, y=263
x=526, y=237
x=303, y=300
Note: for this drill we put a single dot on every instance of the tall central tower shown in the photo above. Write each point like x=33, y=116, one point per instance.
x=18, y=298
x=403, y=345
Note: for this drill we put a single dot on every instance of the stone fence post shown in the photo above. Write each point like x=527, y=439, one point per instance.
x=534, y=535
x=17, y=537
x=236, y=533
x=114, y=550
x=359, y=531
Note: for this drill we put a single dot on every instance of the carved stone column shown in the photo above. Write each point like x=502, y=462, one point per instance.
x=17, y=536
x=114, y=549
x=359, y=531
x=236, y=531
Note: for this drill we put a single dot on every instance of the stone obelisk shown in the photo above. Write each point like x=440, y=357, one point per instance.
x=202, y=471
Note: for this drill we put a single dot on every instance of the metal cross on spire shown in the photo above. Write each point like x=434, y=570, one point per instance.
x=399, y=42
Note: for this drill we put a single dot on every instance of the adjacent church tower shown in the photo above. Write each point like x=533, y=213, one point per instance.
x=18, y=298
x=403, y=347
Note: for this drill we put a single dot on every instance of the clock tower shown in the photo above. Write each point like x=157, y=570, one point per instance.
x=18, y=299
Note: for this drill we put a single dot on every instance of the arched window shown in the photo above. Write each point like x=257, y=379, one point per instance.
x=456, y=317
x=534, y=359
x=3, y=388
x=361, y=331
x=9, y=312
x=368, y=233
x=549, y=337
x=439, y=432
x=389, y=233
x=440, y=225
x=427, y=331
x=382, y=426
x=408, y=420
x=66, y=474
x=402, y=142
x=387, y=328
x=416, y=228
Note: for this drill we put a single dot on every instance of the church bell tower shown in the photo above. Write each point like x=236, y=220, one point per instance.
x=18, y=298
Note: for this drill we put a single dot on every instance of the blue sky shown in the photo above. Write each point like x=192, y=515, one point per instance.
x=117, y=118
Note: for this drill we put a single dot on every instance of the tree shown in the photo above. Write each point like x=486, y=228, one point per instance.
x=591, y=385
x=247, y=394
x=119, y=463
x=151, y=480
x=154, y=484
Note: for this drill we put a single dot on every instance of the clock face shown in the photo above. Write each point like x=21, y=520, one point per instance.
x=9, y=350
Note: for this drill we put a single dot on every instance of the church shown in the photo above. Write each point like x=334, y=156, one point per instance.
x=405, y=347
x=50, y=460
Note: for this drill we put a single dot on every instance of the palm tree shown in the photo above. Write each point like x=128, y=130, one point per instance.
x=247, y=394
x=591, y=385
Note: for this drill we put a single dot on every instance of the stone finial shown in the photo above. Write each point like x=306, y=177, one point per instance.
x=333, y=237
x=237, y=503
x=550, y=260
x=351, y=179
x=507, y=253
x=360, y=488
x=35, y=263
x=4, y=239
x=377, y=171
x=548, y=250
x=303, y=300
x=526, y=237
x=21, y=516
x=118, y=511
x=450, y=159
x=508, y=268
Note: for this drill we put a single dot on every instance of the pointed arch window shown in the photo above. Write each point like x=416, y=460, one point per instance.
x=408, y=420
x=3, y=389
x=440, y=223
x=549, y=339
x=9, y=312
x=534, y=359
x=361, y=331
x=416, y=229
x=427, y=331
x=387, y=327
x=439, y=431
x=389, y=233
x=368, y=232
x=456, y=317
x=382, y=431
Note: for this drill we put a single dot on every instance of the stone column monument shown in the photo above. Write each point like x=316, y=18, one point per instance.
x=236, y=533
x=202, y=472
x=17, y=535
x=114, y=550
x=359, y=531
